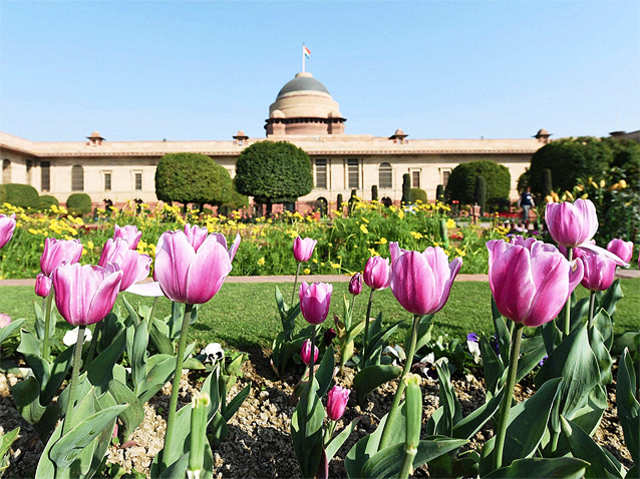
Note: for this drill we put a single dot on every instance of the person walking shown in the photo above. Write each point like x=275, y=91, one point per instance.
x=526, y=203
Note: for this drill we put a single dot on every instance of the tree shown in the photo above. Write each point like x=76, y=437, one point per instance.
x=462, y=182
x=192, y=178
x=274, y=172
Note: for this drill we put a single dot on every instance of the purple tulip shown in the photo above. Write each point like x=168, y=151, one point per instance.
x=530, y=281
x=315, y=299
x=571, y=224
x=57, y=252
x=622, y=249
x=355, y=284
x=43, y=285
x=337, y=402
x=305, y=352
x=5, y=320
x=129, y=233
x=303, y=249
x=421, y=282
x=134, y=266
x=190, y=267
x=85, y=294
x=7, y=227
x=599, y=272
x=377, y=273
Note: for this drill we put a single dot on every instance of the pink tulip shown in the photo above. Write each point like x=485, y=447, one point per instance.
x=303, y=249
x=196, y=235
x=337, y=402
x=190, y=267
x=234, y=246
x=134, y=266
x=599, y=272
x=43, y=285
x=129, y=233
x=571, y=224
x=314, y=301
x=421, y=282
x=622, y=249
x=530, y=280
x=305, y=352
x=377, y=273
x=57, y=252
x=85, y=294
x=355, y=284
x=5, y=320
x=7, y=227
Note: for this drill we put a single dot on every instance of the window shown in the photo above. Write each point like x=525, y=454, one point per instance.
x=45, y=175
x=77, y=178
x=138, y=181
x=321, y=173
x=445, y=177
x=353, y=174
x=415, y=179
x=385, y=179
x=6, y=171
x=107, y=181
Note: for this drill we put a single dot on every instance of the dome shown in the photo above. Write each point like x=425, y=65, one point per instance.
x=277, y=114
x=302, y=82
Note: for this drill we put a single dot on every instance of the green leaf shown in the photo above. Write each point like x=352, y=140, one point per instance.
x=337, y=442
x=177, y=470
x=560, y=468
x=6, y=440
x=137, y=357
x=306, y=431
x=324, y=374
x=470, y=425
x=502, y=332
x=628, y=405
x=233, y=405
x=10, y=329
x=603, y=323
x=610, y=297
x=492, y=366
x=161, y=367
x=425, y=326
x=372, y=377
x=630, y=340
x=602, y=355
x=59, y=370
x=100, y=370
x=30, y=347
x=159, y=334
x=447, y=397
x=133, y=415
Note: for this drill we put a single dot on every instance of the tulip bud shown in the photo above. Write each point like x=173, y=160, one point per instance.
x=315, y=299
x=355, y=284
x=337, y=402
x=5, y=320
x=57, y=252
x=7, y=227
x=571, y=224
x=129, y=233
x=303, y=249
x=43, y=285
x=622, y=249
x=305, y=352
x=599, y=272
x=377, y=272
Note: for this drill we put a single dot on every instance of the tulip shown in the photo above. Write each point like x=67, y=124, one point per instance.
x=305, y=352
x=303, y=249
x=622, y=249
x=337, y=402
x=57, y=252
x=314, y=301
x=189, y=266
x=377, y=273
x=85, y=294
x=7, y=227
x=355, y=284
x=599, y=272
x=5, y=320
x=571, y=224
x=134, y=266
x=129, y=233
x=43, y=285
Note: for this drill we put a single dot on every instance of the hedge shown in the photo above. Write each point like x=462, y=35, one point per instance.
x=417, y=194
x=79, y=204
x=24, y=196
x=462, y=182
x=47, y=201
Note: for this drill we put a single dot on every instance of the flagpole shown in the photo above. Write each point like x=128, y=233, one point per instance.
x=302, y=50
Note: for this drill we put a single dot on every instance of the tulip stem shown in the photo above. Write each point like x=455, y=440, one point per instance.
x=365, y=346
x=567, y=307
x=173, y=401
x=47, y=321
x=516, y=339
x=394, y=411
x=295, y=283
x=75, y=372
x=592, y=307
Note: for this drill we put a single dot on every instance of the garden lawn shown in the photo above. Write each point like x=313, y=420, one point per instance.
x=243, y=316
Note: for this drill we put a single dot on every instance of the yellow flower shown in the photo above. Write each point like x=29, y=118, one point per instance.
x=602, y=183
x=261, y=261
x=364, y=229
x=306, y=271
x=382, y=240
x=451, y=223
x=400, y=214
x=335, y=265
x=460, y=252
x=90, y=245
x=416, y=235
x=365, y=220
x=373, y=252
x=314, y=260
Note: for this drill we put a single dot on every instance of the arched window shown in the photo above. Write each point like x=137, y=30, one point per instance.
x=77, y=178
x=6, y=171
x=385, y=178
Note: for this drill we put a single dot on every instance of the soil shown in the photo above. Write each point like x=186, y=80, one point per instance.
x=258, y=443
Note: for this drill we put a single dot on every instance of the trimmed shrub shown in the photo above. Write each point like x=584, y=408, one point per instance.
x=374, y=192
x=339, y=203
x=440, y=193
x=547, y=182
x=192, y=178
x=274, y=172
x=47, y=201
x=462, y=182
x=79, y=204
x=406, y=188
x=480, y=194
x=417, y=194
x=24, y=196
x=523, y=181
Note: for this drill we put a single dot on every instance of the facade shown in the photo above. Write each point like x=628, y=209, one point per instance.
x=305, y=114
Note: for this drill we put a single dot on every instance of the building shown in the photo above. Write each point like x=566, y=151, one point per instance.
x=304, y=113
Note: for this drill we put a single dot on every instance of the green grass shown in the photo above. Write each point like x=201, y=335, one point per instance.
x=243, y=316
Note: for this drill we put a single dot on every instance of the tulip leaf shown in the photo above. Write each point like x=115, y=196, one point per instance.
x=610, y=297
x=502, y=332
x=602, y=355
x=603, y=323
x=177, y=470
x=471, y=424
x=161, y=368
x=306, y=431
x=447, y=397
x=628, y=405
x=30, y=347
x=579, y=311
x=9, y=330
x=425, y=327
x=552, y=336
x=324, y=374
x=159, y=334
x=371, y=378
x=560, y=468
x=492, y=365
x=434, y=423
x=100, y=370
x=59, y=370
x=133, y=415
x=337, y=442
x=629, y=340
x=232, y=406
x=26, y=395
x=137, y=355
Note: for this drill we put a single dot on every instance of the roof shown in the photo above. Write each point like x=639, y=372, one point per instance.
x=302, y=82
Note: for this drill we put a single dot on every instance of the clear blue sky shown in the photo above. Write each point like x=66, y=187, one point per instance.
x=202, y=70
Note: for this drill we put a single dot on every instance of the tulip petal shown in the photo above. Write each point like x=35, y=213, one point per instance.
x=150, y=289
x=604, y=253
x=551, y=276
x=174, y=256
x=104, y=296
x=234, y=247
x=454, y=267
x=207, y=272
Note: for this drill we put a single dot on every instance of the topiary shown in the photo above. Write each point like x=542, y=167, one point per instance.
x=339, y=203
x=406, y=188
x=547, y=182
x=192, y=178
x=417, y=194
x=79, y=204
x=523, y=181
x=462, y=182
x=23, y=196
x=274, y=172
x=374, y=192
x=480, y=193
x=440, y=193
x=47, y=201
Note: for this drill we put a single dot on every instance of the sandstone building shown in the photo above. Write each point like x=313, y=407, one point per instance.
x=304, y=113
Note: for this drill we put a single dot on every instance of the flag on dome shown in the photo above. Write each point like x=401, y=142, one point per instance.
x=306, y=52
